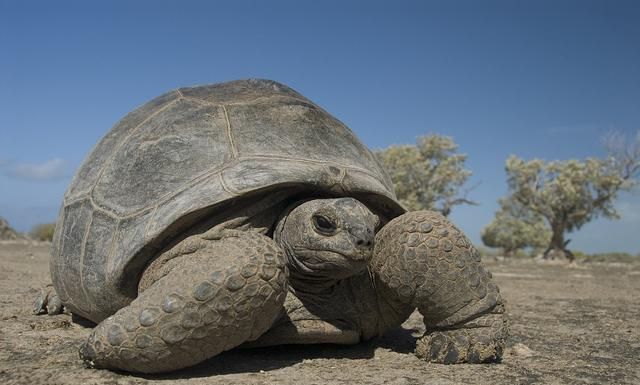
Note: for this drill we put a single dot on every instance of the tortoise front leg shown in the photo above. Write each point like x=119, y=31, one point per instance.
x=48, y=302
x=215, y=294
x=421, y=259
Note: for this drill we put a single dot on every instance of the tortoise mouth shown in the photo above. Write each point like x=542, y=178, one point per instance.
x=329, y=263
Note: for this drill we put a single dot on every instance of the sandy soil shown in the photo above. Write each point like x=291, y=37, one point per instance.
x=569, y=325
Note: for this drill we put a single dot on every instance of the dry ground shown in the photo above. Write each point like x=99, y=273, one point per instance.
x=569, y=325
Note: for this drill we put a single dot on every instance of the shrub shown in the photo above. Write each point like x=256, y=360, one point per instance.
x=43, y=232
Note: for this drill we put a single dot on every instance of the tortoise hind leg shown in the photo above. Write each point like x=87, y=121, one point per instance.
x=421, y=259
x=217, y=294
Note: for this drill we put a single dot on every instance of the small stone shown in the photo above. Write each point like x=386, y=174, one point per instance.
x=522, y=350
x=148, y=316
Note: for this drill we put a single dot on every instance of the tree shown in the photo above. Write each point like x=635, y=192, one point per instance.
x=429, y=175
x=515, y=227
x=570, y=193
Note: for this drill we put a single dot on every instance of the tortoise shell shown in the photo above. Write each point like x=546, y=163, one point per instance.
x=176, y=160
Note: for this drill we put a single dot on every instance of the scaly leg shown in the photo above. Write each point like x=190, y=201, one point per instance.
x=421, y=259
x=213, y=295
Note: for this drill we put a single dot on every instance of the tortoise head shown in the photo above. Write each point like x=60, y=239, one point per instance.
x=327, y=238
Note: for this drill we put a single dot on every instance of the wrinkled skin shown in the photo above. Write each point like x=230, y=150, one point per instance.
x=327, y=238
x=325, y=277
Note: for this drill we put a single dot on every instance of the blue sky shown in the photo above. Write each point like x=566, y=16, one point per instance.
x=542, y=79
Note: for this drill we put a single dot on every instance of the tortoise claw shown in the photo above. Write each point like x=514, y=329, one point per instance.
x=480, y=340
x=472, y=346
x=54, y=304
x=47, y=302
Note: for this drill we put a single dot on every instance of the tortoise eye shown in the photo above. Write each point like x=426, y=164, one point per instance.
x=323, y=224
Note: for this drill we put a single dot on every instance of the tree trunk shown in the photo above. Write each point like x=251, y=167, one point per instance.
x=558, y=246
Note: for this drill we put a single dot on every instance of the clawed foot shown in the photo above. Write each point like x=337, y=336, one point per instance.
x=47, y=302
x=472, y=343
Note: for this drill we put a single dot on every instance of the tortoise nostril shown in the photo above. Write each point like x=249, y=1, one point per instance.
x=363, y=243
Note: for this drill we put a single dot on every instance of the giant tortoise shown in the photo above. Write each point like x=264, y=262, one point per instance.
x=243, y=214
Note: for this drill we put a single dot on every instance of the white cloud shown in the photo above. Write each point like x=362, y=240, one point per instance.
x=51, y=169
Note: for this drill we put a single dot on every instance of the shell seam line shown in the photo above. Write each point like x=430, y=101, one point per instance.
x=245, y=102
x=209, y=173
x=234, y=150
x=125, y=140
x=225, y=187
x=112, y=248
x=83, y=249
x=152, y=220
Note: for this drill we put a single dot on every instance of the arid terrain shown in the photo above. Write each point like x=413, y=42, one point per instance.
x=569, y=325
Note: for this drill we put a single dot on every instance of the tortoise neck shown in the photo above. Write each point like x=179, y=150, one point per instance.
x=303, y=280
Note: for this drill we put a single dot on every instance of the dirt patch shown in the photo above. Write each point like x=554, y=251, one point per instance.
x=569, y=325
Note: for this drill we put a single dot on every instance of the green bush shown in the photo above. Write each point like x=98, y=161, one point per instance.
x=43, y=232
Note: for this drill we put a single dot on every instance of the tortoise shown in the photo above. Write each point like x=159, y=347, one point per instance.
x=243, y=214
